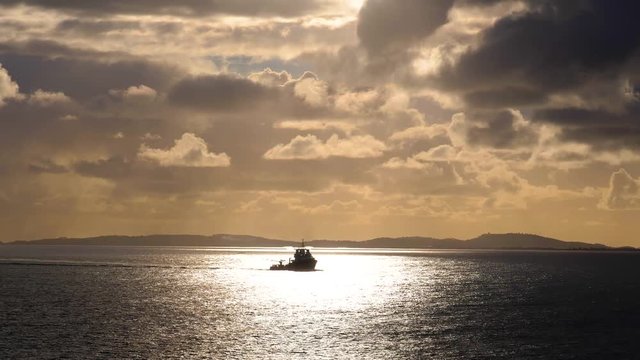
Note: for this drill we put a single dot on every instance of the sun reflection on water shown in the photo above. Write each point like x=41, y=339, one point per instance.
x=341, y=281
x=353, y=294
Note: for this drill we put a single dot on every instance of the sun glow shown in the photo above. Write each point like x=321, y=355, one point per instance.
x=355, y=4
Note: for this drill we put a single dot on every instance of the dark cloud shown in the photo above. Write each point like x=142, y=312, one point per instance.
x=230, y=93
x=388, y=30
x=499, y=130
x=602, y=129
x=46, y=166
x=556, y=46
x=344, y=66
x=95, y=27
x=79, y=73
x=53, y=49
x=481, y=2
x=504, y=97
x=183, y=8
x=116, y=167
x=580, y=117
x=387, y=26
x=220, y=93
x=576, y=52
x=45, y=138
x=13, y=25
x=23, y=125
x=605, y=137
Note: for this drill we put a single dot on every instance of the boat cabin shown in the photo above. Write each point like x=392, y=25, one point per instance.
x=302, y=254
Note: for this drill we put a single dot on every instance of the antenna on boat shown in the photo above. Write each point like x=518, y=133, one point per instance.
x=302, y=242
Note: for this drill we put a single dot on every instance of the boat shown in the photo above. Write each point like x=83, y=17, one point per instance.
x=302, y=261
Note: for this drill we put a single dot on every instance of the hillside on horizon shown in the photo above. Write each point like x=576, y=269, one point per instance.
x=485, y=241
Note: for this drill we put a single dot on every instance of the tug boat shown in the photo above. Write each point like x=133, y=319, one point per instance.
x=302, y=261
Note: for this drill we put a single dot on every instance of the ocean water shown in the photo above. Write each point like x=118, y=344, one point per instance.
x=162, y=302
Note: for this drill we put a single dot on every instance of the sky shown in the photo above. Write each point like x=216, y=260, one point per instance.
x=334, y=119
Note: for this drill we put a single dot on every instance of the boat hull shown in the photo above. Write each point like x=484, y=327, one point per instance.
x=308, y=265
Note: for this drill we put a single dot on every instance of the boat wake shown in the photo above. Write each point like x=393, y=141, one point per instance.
x=71, y=263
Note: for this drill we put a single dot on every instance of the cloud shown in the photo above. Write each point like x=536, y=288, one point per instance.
x=188, y=151
x=316, y=125
x=419, y=132
x=139, y=94
x=268, y=77
x=310, y=147
x=228, y=40
x=438, y=153
x=564, y=156
x=8, y=88
x=409, y=163
x=191, y=8
x=312, y=90
x=426, y=159
x=47, y=98
x=46, y=166
x=357, y=102
x=623, y=192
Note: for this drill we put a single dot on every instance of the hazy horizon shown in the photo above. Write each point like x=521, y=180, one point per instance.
x=487, y=241
x=293, y=239
x=334, y=119
x=357, y=239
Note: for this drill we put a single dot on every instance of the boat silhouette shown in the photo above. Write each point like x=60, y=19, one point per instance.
x=302, y=261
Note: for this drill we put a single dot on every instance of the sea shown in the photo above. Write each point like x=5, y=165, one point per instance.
x=102, y=302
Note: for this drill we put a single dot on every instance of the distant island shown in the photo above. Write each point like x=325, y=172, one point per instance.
x=486, y=241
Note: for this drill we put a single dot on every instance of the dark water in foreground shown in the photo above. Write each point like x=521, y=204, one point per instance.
x=124, y=302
